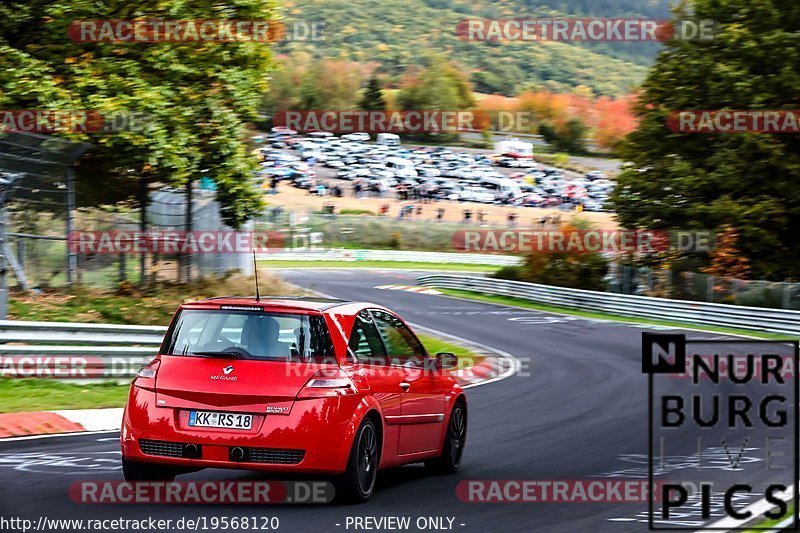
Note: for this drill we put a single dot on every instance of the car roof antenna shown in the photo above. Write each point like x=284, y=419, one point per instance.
x=255, y=270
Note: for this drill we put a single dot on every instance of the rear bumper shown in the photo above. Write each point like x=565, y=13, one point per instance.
x=322, y=428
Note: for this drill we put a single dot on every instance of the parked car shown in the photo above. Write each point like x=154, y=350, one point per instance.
x=356, y=136
x=472, y=193
x=388, y=139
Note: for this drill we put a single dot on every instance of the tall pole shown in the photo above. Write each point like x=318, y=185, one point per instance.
x=143, y=227
x=72, y=258
x=3, y=261
x=189, y=214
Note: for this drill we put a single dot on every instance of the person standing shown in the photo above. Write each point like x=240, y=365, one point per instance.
x=512, y=219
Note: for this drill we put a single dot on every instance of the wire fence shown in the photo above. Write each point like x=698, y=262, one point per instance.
x=39, y=222
x=411, y=232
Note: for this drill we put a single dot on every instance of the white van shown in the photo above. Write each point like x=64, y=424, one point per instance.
x=502, y=188
x=388, y=139
x=401, y=167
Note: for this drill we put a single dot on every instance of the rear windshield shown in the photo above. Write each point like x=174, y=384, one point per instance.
x=249, y=335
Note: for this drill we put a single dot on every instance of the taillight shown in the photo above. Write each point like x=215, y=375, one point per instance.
x=146, y=373
x=328, y=384
x=146, y=376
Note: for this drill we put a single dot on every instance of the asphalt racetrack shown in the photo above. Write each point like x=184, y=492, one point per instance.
x=579, y=412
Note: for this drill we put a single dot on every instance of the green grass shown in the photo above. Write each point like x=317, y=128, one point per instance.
x=771, y=522
x=356, y=212
x=402, y=265
x=526, y=304
x=23, y=394
x=466, y=357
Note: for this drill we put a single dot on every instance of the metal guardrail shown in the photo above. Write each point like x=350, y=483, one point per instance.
x=20, y=331
x=701, y=313
x=93, y=351
x=391, y=255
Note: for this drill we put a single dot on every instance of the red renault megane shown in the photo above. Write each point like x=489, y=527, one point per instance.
x=293, y=385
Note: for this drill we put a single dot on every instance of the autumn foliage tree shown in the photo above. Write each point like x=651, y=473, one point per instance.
x=726, y=259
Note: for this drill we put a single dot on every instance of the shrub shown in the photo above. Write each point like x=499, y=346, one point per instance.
x=573, y=270
x=512, y=273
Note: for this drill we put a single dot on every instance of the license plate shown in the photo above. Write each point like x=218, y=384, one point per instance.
x=213, y=419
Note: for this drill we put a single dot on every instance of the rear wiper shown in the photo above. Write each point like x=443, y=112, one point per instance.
x=227, y=355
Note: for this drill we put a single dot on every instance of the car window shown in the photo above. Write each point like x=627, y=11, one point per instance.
x=365, y=344
x=401, y=344
x=253, y=335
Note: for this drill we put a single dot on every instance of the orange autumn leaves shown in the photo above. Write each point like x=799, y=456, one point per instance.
x=609, y=119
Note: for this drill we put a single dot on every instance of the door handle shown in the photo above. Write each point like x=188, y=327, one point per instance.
x=405, y=386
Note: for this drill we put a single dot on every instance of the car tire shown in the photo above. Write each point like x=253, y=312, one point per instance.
x=358, y=482
x=453, y=448
x=136, y=471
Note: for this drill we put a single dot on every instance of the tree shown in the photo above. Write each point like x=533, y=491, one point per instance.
x=571, y=137
x=548, y=132
x=711, y=180
x=372, y=100
x=195, y=98
x=568, y=138
x=331, y=84
x=726, y=259
x=441, y=86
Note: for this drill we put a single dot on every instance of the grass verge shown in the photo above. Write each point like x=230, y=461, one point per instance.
x=404, y=265
x=526, y=304
x=466, y=357
x=28, y=394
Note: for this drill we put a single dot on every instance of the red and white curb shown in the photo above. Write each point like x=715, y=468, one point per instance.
x=489, y=369
x=409, y=288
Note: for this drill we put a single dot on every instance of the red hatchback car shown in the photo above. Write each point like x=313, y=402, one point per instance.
x=302, y=385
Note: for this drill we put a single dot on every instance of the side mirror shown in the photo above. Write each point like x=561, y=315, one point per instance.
x=445, y=360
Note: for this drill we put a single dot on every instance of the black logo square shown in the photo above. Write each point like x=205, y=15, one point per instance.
x=663, y=353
